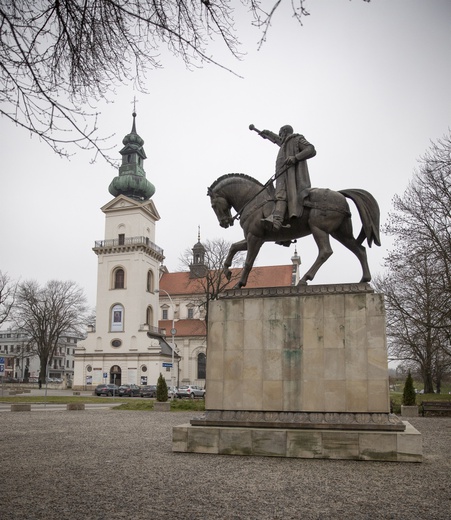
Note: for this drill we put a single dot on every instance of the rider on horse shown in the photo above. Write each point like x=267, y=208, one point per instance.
x=292, y=176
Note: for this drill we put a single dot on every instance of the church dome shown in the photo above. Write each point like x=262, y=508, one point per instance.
x=132, y=181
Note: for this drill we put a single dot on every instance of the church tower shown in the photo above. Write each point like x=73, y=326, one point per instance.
x=125, y=346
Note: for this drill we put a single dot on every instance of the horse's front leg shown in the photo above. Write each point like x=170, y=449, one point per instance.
x=253, y=247
x=234, y=248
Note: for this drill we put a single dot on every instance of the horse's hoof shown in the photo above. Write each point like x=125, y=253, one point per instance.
x=302, y=282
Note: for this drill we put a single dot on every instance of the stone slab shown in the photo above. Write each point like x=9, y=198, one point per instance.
x=21, y=407
x=159, y=406
x=75, y=406
x=403, y=446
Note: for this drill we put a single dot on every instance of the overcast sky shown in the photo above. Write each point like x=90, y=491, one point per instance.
x=367, y=83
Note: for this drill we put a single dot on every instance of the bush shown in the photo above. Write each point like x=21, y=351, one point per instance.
x=162, y=389
x=408, y=395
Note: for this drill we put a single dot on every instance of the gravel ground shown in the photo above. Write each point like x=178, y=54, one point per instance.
x=108, y=464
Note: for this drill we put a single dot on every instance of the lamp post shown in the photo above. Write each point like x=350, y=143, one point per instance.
x=173, y=333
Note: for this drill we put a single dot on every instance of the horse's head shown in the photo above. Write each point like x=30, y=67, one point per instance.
x=222, y=208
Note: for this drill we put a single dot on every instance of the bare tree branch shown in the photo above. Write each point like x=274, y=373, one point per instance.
x=60, y=58
x=8, y=289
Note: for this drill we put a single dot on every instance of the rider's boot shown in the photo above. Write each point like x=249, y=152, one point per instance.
x=276, y=219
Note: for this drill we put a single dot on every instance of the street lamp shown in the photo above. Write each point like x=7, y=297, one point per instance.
x=173, y=332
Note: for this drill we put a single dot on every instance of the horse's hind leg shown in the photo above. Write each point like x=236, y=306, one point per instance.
x=324, y=252
x=344, y=235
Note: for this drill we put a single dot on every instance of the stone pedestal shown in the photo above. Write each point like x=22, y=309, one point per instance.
x=302, y=371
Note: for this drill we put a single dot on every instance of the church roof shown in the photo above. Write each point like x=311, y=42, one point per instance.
x=183, y=327
x=265, y=276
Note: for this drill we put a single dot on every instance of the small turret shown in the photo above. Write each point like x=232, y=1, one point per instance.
x=198, y=268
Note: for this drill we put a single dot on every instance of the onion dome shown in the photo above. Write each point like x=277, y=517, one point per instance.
x=131, y=180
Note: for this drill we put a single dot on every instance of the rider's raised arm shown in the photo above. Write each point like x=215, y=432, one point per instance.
x=271, y=136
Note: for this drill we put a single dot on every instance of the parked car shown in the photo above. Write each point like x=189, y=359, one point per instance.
x=149, y=391
x=190, y=391
x=129, y=391
x=106, y=390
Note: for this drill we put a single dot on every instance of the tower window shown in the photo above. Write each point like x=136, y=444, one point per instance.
x=117, y=318
x=149, y=281
x=149, y=316
x=119, y=279
x=121, y=239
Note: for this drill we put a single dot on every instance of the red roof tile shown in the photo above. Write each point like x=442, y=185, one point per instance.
x=183, y=327
x=264, y=276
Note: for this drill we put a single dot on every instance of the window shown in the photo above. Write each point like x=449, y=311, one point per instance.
x=149, y=281
x=119, y=279
x=190, y=313
x=121, y=239
x=201, y=366
x=165, y=314
x=149, y=316
x=117, y=318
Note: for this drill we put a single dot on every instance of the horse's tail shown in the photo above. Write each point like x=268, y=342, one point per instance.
x=369, y=215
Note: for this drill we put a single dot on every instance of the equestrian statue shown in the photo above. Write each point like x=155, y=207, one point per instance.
x=292, y=208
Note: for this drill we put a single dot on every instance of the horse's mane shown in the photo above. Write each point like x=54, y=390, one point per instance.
x=239, y=175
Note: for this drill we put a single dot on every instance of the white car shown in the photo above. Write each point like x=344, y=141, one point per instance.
x=190, y=391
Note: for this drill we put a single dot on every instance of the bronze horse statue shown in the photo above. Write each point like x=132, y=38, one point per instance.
x=326, y=212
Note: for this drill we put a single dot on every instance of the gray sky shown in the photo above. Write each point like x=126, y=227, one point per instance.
x=367, y=83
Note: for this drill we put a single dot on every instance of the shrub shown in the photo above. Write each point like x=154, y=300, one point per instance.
x=408, y=395
x=162, y=389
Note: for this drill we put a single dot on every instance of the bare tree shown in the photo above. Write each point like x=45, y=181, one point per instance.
x=415, y=326
x=8, y=290
x=46, y=313
x=417, y=284
x=58, y=57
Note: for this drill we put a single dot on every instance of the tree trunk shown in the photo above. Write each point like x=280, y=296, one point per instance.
x=43, y=371
x=428, y=383
x=438, y=385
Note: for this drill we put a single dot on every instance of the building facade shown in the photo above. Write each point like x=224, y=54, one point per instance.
x=22, y=363
x=125, y=345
